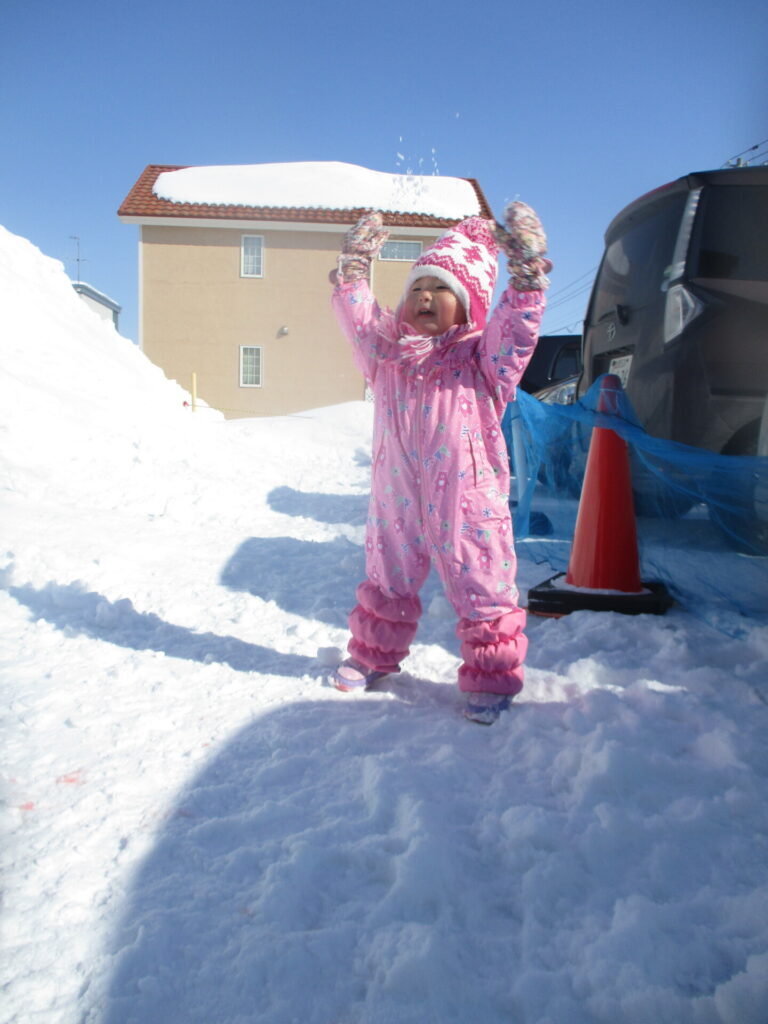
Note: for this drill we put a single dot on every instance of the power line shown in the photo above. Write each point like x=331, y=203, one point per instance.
x=571, y=291
x=575, y=325
x=572, y=283
x=736, y=161
x=569, y=298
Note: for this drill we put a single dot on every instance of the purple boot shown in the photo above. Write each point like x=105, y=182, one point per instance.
x=351, y=675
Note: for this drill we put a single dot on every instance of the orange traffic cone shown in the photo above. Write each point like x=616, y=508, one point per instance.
x=604, y=566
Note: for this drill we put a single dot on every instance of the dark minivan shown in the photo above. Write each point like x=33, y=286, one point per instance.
x=679, y=309
x=556, y=357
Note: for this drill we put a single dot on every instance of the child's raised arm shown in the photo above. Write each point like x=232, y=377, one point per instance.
x=513, y=331
x=355, y=307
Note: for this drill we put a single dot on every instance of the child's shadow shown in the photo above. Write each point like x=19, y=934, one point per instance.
x=312, y=579
x=318, y=579
x=323, y=508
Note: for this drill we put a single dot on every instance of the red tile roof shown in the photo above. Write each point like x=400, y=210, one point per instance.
x=142, y=202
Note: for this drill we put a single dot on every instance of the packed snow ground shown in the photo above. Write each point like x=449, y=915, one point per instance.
x=198, y=829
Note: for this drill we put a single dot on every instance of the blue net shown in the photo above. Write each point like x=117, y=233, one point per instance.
x=702, y=518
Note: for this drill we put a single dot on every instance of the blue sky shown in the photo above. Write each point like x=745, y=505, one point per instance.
x=576, y=107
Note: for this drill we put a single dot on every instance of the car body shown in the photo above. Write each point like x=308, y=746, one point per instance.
x=556, y=357
x=679, y=309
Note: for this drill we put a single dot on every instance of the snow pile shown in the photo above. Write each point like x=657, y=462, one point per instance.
x=72, y=386
x=325, y=185
x=198, y=829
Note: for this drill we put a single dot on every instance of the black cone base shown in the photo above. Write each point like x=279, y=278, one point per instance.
x=550, y=600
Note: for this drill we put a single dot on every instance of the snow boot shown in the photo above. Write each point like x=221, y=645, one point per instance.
x=351, y=675
x=485, y=708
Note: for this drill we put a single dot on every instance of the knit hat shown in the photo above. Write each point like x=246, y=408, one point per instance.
x=464, y=258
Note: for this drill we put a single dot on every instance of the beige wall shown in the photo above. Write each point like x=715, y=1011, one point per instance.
x=197, y=311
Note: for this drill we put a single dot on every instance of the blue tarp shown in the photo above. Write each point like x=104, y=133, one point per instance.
x=702, y=518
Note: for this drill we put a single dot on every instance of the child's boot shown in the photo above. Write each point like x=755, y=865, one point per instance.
x=351, y=675
x=485, y=708
x=493, y=654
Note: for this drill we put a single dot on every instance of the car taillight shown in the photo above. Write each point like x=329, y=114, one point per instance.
x=681, y=309
x=561, y=394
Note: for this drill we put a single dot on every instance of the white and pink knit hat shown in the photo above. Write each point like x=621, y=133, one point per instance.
x=465, y=258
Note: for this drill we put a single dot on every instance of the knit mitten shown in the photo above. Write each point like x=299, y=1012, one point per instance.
x=523, y=240
x=362, y=243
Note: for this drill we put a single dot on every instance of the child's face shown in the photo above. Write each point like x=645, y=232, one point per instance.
x=430, y=307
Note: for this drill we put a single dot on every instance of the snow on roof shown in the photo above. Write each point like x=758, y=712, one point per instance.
x=319, y=185
x=87, y=289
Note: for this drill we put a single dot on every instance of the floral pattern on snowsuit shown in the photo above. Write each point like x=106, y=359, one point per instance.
x=440, y=481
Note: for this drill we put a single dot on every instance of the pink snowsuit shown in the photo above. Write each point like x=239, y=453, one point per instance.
x=440, y=483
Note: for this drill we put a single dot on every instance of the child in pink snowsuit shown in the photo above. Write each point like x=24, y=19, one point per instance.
x=441, y=378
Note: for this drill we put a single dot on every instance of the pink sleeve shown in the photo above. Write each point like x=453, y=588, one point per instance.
x=509, y=340
x=358, y=314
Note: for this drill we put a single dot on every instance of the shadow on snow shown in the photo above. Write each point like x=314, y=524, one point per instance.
x=351, y=509
x=313, y=579
x=317, y=580
x=75, y=611
x=306, y=875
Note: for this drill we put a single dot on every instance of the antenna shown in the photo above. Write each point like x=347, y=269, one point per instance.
x=76, y=238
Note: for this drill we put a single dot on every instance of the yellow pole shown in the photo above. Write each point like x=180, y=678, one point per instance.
x=194, y=392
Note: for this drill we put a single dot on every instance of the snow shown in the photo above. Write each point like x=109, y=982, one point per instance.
x=329, y=185
x=197, y=828
x=88, y=289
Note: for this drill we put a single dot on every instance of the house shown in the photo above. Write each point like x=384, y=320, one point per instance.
x=100, y=303
x=233, y=272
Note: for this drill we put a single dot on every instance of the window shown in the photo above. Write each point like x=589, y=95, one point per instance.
x=406, y=251
x=252, y=256
x=251, y=366
x=732, y=233
x=633, y=269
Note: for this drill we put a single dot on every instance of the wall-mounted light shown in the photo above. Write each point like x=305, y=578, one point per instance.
x=282, y=332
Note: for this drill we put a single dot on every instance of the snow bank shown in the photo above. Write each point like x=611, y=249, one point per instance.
x=72, y=386
x=328, y=185
x=196, y=828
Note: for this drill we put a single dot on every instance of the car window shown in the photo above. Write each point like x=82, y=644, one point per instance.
x=731, y=233
x=633, y=268
x=567, y=363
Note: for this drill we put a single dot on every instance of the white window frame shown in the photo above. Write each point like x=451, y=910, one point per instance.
x=400, y=259
x=260, y=350
x=243, y=239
